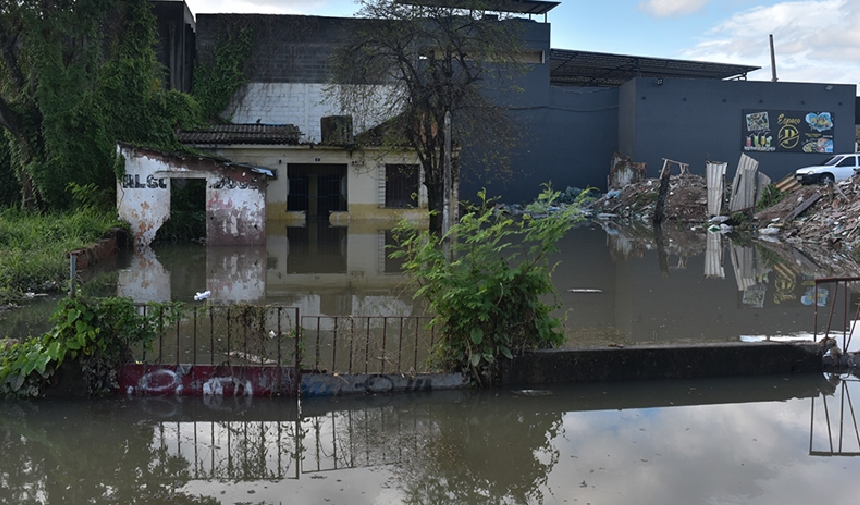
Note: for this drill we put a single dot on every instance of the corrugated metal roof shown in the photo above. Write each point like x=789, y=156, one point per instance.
x=587, y=68
x=230, y=134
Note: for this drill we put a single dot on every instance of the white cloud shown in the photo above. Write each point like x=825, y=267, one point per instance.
x=814, y=41
x=663, y=8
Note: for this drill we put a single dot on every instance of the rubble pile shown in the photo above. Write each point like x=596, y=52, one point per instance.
x=832, y=220
x=686, y=200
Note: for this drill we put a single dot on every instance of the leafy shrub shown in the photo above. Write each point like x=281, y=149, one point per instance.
x=98, y=332
x=487, y=294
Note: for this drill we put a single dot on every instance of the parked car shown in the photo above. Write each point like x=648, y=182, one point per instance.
x=834, y=169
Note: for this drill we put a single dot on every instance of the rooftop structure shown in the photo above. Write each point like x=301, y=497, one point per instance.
x=586, y=68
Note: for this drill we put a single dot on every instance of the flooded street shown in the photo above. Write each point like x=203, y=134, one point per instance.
x=756, y=441
x=616, y=285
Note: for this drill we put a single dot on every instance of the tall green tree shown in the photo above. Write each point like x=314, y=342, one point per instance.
x=407, y=65
x=76, y=76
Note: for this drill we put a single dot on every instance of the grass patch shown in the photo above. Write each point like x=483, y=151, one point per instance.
x=34, y=246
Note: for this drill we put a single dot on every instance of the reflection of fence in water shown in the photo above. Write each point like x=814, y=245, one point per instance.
x=365, y=438
x=832, y=418
x=253, y=450
x=231, y=335
x=230, y=450
x=367, y=344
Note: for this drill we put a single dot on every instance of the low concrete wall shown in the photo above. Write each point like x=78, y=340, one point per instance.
x=115, y=240
x=327, y=384
x=662, y=362
x=251, y=380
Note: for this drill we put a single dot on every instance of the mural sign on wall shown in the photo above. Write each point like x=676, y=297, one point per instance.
x=787, y=131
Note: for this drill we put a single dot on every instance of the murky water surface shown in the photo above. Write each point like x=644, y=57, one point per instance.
x=766, y=440
x=615, y=285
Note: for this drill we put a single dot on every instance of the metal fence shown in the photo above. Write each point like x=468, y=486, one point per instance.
x=367, y=344
x=841, y=288
x=224, y=335
x=240, y=335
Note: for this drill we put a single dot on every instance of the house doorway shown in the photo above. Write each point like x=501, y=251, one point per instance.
x=187, y=222
x=318, y=189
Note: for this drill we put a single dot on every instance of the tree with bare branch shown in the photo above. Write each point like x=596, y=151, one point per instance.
x=402, y=68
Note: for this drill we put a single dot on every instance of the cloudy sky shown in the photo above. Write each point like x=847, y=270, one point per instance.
x=815, y=40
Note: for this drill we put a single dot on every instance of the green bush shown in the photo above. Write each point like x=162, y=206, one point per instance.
x=98, y=332
x=487, y=293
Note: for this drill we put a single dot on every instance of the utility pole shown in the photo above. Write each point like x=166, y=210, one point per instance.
x=446, y=178
x=772, y=61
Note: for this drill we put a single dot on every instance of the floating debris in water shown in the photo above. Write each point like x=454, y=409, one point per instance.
x=532, y=392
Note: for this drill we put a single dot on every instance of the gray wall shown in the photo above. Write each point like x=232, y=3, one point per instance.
x=568, y=139
x=176, y=43
x=568, y=133
x=696, y=120
x=286, y=48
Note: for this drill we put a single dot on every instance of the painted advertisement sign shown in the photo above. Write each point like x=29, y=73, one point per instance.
x=787, y=131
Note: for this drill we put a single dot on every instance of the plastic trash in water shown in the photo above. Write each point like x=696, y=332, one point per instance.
x=202, y=296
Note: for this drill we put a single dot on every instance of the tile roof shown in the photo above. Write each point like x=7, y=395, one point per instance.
x=229, y=134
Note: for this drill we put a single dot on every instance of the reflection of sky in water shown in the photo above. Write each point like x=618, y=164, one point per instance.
x=655, y=442
x=752, y=453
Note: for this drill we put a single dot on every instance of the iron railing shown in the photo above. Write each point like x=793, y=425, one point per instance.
x=244, y=335
x=848, y=325
x=367, y=344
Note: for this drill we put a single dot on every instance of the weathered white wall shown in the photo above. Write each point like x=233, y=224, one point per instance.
x=235, y=198
x=143, y=196
x=303, y=105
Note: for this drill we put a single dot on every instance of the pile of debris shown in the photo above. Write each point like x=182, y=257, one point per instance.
x=825, y=215
x=686, y=200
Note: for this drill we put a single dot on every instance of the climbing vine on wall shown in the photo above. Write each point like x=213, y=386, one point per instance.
x=218, y=79
x=79, y=77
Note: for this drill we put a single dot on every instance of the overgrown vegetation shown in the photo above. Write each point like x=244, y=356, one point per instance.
x=34, y=247
x=97, y=332
x=217, y=79
x=488, y=293
x=77, y=77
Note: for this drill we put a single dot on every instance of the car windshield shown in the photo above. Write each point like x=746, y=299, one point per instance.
x=832, y=161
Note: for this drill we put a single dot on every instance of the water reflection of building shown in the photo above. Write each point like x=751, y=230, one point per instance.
x=329, y=270
x=643, y=300
x=322, y=269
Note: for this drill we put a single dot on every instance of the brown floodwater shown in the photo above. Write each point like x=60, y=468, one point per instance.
x=615, y=285
x=765, y=440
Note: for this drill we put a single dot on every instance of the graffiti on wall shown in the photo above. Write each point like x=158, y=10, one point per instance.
x=151, y=182
x=227, y=182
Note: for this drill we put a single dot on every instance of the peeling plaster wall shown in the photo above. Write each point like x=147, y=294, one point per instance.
x=235, y=198
x=142, y=197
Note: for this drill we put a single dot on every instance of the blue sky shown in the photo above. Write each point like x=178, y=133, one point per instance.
x=815, y=40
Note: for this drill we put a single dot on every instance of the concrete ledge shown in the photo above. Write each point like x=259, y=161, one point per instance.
x=327, y=384
x=662, y=362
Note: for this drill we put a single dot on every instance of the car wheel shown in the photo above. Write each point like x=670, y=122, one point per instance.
x=827, y=179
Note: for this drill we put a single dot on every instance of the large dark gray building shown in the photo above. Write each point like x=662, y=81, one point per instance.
x=576, y=108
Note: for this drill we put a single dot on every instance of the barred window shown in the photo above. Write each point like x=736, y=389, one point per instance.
x=401, y=186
